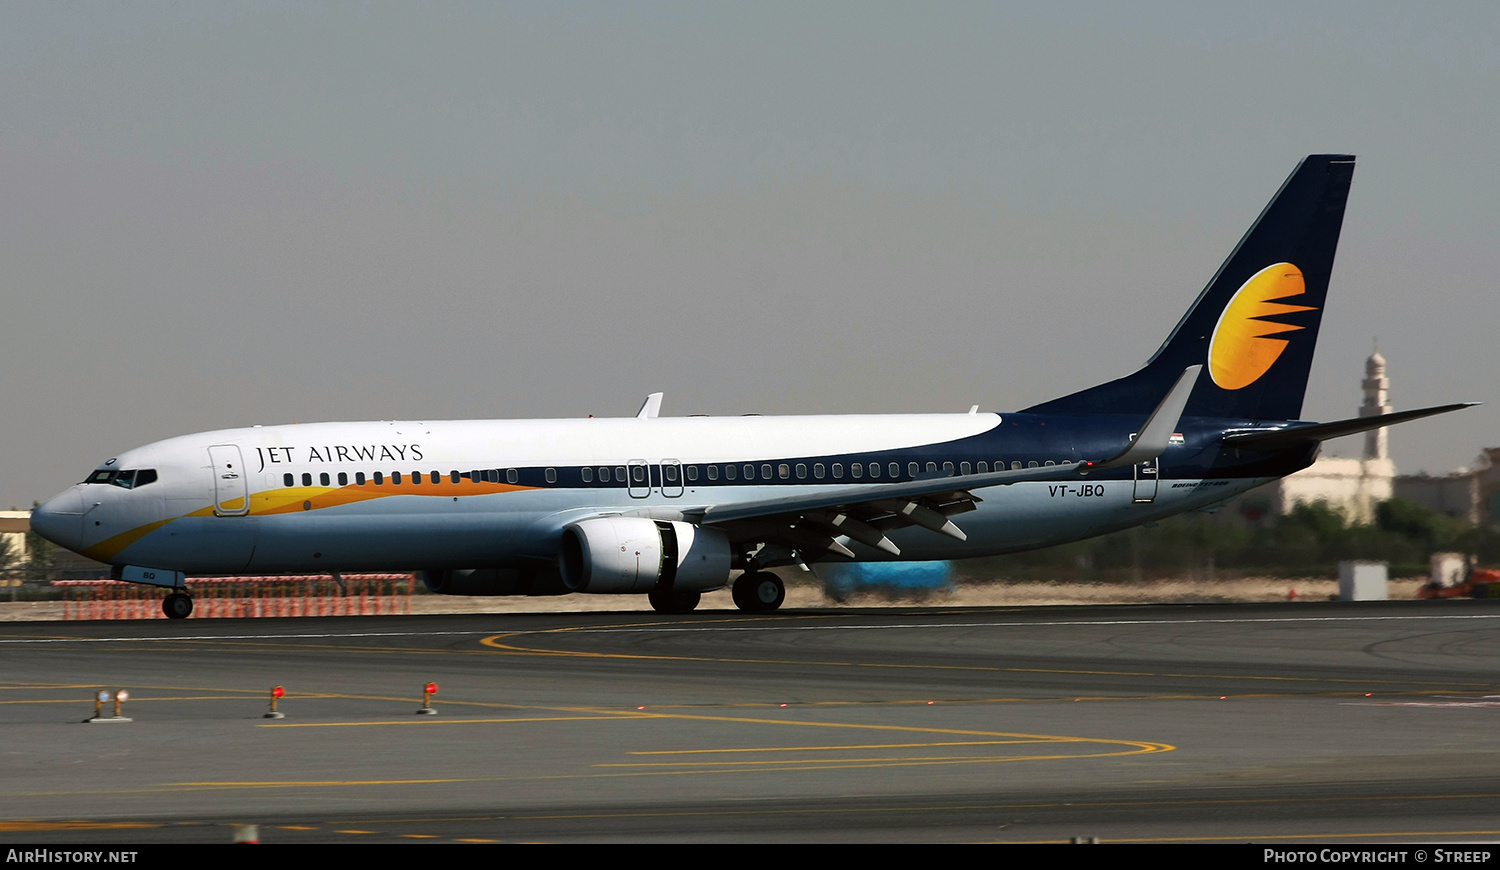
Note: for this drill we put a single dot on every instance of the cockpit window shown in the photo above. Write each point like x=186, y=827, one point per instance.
x=125, y=478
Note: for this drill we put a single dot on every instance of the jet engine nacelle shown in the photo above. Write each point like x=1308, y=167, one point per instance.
x=635, y=554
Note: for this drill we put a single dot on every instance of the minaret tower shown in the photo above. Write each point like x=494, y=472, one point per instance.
x=1377, y=401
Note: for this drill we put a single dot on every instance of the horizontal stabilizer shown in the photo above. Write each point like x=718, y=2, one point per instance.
x=1290, y=436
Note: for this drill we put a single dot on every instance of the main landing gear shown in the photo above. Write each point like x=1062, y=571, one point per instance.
x=177, y=606
x=758, y=592
x=674, y=602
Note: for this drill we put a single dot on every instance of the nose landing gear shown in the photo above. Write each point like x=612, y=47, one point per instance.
x=177, y=606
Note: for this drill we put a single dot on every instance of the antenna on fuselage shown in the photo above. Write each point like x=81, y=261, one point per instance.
x=651, y=408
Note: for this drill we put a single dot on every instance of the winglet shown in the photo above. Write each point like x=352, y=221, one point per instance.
x=1154, y=436
x=651, y=408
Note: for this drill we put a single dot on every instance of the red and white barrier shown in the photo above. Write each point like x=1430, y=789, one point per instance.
x=245, y=597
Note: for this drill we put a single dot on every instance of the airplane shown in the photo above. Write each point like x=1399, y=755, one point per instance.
x=676, y=507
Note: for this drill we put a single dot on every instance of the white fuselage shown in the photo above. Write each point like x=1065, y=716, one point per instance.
x=477, y=494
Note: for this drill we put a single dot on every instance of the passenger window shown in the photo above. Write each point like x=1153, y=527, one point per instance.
x=765, y=472
x=802, y=471
x=670, y=473
x=395, y=478
x=984, y=467
x=932, y=466
x=1031, y=464
x=729, y=472
x=306, y=479
x=1049, y=463
x=343, y=478
x=856, y=470
x=874, y=470
x=713, y=472
x=894, y=468
x=818, y=470
x=948, y=468
x=380, y=478
x=588, y=474
x=783, y=471
x=1015, y=465
x=620, y=473
x=435, y=476
x=455, y=477
x=552, y=475
x=286, y=479
x=492, y=475
x=965, y=468
x=416, y=478
x=749, y=472
x=692, y=473
x=604, y=475
x=838, y=470
x=359, y=478
x=913, y=469
x=512, y=475
x=323, y=479
x=638, y=473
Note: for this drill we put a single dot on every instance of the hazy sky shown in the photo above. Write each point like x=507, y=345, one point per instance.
x=217, y=215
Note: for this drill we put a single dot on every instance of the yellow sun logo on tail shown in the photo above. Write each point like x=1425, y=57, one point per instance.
x=1241, y=350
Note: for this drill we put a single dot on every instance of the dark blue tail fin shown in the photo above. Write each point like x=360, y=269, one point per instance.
x=1254, y=326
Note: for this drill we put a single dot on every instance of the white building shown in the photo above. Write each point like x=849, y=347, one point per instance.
x=13, y=528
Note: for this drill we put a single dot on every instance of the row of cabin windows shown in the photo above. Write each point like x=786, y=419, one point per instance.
x=416, y=478
x=637, y=473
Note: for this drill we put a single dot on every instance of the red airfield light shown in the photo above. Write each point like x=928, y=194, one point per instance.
x=427, y=709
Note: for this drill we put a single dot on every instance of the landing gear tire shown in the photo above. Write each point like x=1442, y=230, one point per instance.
x=177, y=606
x=674, y=602
x=758, y=592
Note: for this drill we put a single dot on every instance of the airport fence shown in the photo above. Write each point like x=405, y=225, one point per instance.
x=242, y=597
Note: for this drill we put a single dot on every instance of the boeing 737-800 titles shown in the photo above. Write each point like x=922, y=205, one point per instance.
x=674, y=507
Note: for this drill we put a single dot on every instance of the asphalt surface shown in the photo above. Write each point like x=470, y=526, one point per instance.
x=1294, y=722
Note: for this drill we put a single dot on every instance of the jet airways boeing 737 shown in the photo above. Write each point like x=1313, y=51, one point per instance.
x=673, y=508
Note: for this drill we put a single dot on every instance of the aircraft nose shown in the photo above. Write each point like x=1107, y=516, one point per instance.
x=60, y=519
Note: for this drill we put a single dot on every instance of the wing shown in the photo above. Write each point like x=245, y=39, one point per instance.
x=810, y=523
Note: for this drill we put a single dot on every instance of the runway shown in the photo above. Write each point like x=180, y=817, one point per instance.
x=1303, y=722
